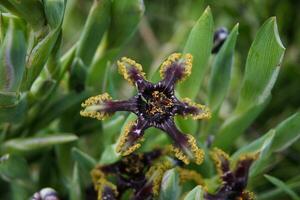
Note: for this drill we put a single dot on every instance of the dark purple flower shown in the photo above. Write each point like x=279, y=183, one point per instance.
x=234, y=182
x=219, y=38
x=136, y=171
x=155, y=105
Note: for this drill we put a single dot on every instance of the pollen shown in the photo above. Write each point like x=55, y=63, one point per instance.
x=187, y=175
x=156, y=173
x=94, y=106
x=218, y=155
x=185, y=62
x=204, y=112
x=100, y=183
x=124, y=147
x=126, y=65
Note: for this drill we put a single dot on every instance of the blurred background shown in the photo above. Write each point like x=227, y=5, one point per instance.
x=162, y=30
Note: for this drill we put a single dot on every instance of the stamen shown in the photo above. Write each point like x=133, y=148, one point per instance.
x=185, y=61
x=129, y=68
x=247, y=195
x=124, y=146
x=203, y=111
x=94, y=106
x=187, y=175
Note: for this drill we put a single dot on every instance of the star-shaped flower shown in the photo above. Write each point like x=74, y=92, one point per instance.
x=155, y=105
x=234, y=182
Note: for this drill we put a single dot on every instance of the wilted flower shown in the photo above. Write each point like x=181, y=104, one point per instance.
x=234, y=182
x=155, y=106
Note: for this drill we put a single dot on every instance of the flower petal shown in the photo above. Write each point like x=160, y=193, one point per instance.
x=219, y=38
x=188, y=108
x=132, y=72
x=101, y=106
x=185, y=146
x=176, y=68
x=132, y=135
x=242, y=169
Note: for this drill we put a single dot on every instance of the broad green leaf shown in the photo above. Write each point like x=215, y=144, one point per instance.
x=287, y=132
x=262, y=67
x=13, y=108
x=54, y=11
x=221, y=72
x=125, y=18
x=170, y=188
x=93, y=31
x=38, y=57
x=35, y=143
x=14, y=168
x=12, y=56
x=75, y=187
x=30, y=10
x=109, y=155
x=261, y=146
x=196, y=194
x=199, y=44
x=257, y=146
x=84, y=161
x=280, y=184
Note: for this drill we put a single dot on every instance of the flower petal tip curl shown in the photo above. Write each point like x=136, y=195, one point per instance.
x=190, y=152
x=94, y=107
x=131, y=70
x=178, y=64
x=128, y=143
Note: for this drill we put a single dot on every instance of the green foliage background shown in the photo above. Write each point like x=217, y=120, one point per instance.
x=61, y=58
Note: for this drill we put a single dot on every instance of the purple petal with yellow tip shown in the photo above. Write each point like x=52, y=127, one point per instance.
x=176, y=68
x=132, y=136
x=187, y=108
x=185, y=147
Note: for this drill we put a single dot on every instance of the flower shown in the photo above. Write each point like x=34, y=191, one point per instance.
x=128, y=173
x=234, y=182
x=155, y=105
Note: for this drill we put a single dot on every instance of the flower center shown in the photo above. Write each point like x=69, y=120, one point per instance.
x=156, y=105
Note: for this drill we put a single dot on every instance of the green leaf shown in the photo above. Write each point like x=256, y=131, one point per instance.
x=13, y=108
x=75, y=192
x=35, y=143
x=196, y=194
x=93, y=31
x=199, y=44
x=12, y=56
x=261, y=146
x=125, y=17
x=262, y=67
x=287, y=132
x=109, y=155
x=221, y=72
x=54, y=11
x=30, y=10
x=280, y=184
x=84, y=161
x=170, y=188
x=14, y=168
x=38, y=57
